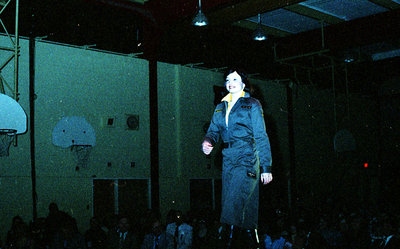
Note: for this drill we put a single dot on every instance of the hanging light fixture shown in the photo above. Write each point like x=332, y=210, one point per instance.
x=259, y=34
x=349, y=56
x=200, y=19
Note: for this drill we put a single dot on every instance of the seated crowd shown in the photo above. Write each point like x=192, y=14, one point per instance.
x=330, y=229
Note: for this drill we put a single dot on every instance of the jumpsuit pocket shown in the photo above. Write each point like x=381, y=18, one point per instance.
x=252, y=174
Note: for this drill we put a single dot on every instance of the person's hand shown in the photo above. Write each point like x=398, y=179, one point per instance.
x=266, y=178
x=207, y=147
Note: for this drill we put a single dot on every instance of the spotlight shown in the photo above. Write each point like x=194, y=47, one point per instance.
x=259, y=34
x=200, y=19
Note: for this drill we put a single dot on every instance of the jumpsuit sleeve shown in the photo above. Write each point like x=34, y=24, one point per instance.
x=261, y=138
x=212, y=134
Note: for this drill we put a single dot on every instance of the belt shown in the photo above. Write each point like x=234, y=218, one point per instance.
x=237, y=143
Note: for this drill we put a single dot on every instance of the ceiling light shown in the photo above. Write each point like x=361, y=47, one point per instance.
x=200, y=19
x=349, y=59
x=259, y=34
x=350, y=56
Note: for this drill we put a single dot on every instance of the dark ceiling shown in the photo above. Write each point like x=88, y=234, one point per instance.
x=162, y=30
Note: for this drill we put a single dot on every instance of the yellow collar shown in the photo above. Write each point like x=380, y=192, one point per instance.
x=228, y=97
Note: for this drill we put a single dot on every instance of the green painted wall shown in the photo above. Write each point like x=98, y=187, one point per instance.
x=15, y=180
x=186, y=100
x=72, y=81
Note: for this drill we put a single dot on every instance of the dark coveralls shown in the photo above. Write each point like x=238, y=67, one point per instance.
x=246, y=155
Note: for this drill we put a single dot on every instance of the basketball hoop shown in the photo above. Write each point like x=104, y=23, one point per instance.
x=6, y=138
x=82, y=153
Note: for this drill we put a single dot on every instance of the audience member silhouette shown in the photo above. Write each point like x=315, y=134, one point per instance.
x=55, y=220
x=122, y=237
x=38, y=234
x=180, y=232
x=158, y=238
x=339, y=228
x=95, y=236
x=69, y=237
x=17, y=236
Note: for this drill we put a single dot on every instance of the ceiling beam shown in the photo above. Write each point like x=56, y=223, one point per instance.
x=315, y=14
x=386, y=4
x=235, y=12
x=245, y=9
x=170, y=12
x=268, y=30
x=225, y=14
x=179, y=12
x=132, y=6
x=138, y=1
x=359, y=32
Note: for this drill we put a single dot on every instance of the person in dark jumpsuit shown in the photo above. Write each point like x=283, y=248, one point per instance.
x=239, y=121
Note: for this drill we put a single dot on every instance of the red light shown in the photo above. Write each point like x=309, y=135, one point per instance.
x=365, y=165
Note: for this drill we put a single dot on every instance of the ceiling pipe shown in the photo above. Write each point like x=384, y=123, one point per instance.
x=322, y=35
x=319, y=52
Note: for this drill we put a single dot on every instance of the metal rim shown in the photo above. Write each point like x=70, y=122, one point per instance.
x=80, y=147
x=8, y=131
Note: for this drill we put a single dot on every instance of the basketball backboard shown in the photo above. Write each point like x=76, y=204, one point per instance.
x=12, y=116
x=73, y=130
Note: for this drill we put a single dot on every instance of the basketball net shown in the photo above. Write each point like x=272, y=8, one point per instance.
x=82, y=153
x=6, y=138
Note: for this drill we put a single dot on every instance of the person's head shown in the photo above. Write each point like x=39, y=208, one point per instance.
x=235, y=80
x=94, y=222
x=123, y=224
x=17, y=222
x=202, y=229
x=156, y=228
x=53, y=208
x=171, y=216
x=111, y=221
